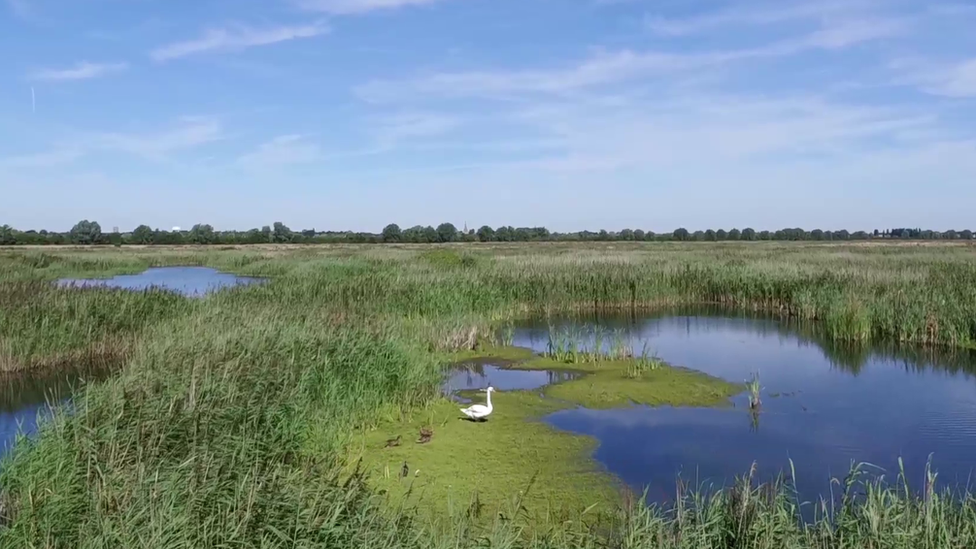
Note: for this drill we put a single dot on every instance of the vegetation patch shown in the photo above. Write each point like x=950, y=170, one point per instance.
x=438, y=461
x=485, y=467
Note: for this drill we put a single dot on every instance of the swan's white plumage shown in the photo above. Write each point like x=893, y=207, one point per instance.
x=479, y=411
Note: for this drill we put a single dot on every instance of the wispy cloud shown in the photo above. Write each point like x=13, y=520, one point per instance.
x=347, y=7
x=760, y=13
x=613, y=67
x=21, y=8
x=81, y=71
x=235, y=38
x=54, y=157
x=388, y=131
x=945, y=79
x=283, y=150
x=188, y=133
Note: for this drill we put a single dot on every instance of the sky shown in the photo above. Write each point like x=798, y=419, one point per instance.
x=572, y=114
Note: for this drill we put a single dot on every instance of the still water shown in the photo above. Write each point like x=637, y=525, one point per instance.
x=189, y=281
x=824, y=406
x=23, y=398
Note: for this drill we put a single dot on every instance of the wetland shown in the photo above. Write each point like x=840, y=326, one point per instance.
x=611, y=379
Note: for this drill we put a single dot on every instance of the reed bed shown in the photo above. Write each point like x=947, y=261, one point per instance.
x=225, y=424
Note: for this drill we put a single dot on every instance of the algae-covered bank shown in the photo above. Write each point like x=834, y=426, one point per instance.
x=514, y=459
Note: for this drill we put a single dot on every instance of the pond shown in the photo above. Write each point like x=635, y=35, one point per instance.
x=824, y=406
x=188, y=281
x=24, y=398
x=480, y=373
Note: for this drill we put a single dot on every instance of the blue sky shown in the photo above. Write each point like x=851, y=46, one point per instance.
x=585, y=114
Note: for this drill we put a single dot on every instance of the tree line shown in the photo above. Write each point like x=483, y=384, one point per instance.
x=90, y=232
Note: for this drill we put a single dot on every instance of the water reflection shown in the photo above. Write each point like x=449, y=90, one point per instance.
x=188, y=281
x=479, y=374
x=24, y=397
x=824, y=405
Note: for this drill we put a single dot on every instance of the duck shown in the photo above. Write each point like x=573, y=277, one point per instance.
x=479, y=412
x=426, y=433
x=395, y=441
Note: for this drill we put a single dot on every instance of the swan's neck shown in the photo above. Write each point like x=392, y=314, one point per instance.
x=489, y=400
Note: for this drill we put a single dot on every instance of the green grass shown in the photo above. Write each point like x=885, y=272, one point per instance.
x=233, y=417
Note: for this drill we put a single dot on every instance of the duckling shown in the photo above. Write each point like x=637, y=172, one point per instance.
x=404, y=471
x=395, y=441
x=426, y=433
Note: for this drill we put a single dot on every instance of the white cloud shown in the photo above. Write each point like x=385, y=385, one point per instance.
x=762, y=13
x=46, y=159
x=944, y=79
x=188, y=134
x=347, y=7
x=390, y=130
x=81, y=71
x=235, y=38
x=619, y=66
x=282, y=150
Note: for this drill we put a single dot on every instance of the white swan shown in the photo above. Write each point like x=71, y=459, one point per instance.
x=479, y=412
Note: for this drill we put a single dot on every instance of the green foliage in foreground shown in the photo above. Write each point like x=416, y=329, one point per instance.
x=232, y=420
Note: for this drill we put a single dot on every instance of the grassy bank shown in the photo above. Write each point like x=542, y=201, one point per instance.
x=232, y=420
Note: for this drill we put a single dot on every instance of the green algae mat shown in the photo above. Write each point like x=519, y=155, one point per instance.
x=478, y=466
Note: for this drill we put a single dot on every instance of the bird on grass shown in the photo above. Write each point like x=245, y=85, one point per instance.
x=404, y=471
x=395, y=441
x=426, y=433
x=479, y=412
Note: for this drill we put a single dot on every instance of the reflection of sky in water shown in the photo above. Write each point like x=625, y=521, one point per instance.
x=479, y=376
x=837, y=407
x=23, y=419
x=189, y=281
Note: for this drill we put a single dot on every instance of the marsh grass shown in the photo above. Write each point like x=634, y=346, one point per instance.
x=576, y=345
x=754, y=389
x=643, y=364
x=229, y=422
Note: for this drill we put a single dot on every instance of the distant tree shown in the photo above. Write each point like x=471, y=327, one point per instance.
x=698, y=236
x=816, y=234
x=626, y=234
x=735, y=234
x=842, y=235
x=280, y=233
x=431, y=235
x=966, y=234
x=748, y=234
x=7, y=236
x=765, y=235
x=486, y=234
x=603, y=236
x=142, y=235
x=649, y=235
x=638, y=234
x=504, y=234
x=859, y=235
x=201, y=234
x=391, y=233
x=709, y=235
x=681, y=234
x=721, y=235
x=446, y=232
x=86, y=232
x=950, y=234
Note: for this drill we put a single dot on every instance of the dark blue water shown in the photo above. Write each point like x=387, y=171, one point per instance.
x=824, y=406
x=189, y=281
x=25, y=398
